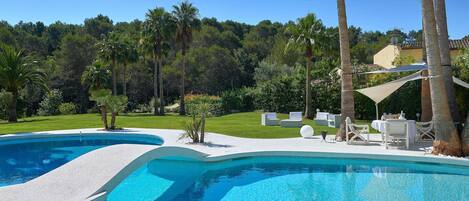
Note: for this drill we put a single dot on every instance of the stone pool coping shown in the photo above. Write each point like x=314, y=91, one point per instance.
x=93, y=175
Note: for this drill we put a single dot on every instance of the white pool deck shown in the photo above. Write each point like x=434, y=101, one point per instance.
x=93, y=175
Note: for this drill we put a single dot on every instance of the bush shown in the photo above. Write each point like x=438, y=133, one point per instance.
x=237, y=100
x=284, y=94
x=143, y=108
x=193, y=102
x=68, y=108
x=50, y=104
x=192, y=129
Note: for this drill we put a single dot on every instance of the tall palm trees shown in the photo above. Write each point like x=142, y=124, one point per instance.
x=15, y=73
x=306, y=33
x=442, y=28
x=347, y=102
x=186, y=20
x=158, y=27
x=109, y=49
x=128, y=55
x=447, y=140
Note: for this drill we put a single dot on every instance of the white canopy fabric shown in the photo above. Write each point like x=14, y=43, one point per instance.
x=460, y=82
x=380, y=92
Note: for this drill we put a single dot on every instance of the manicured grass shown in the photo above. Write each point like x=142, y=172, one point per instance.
x=240, y=124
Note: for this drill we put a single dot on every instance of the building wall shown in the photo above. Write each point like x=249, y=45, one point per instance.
x=415, y=53
x=386, y=56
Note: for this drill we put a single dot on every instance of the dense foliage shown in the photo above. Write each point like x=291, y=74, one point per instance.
x=50, y=104
x=247, y=66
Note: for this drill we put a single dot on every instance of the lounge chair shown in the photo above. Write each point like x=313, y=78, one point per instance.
x=425, y=130
x=269, y=119
x=355, y=132
x=396, y=130
x=295, y=120
x=321, y=118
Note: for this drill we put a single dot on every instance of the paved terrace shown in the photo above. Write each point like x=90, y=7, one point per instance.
x=93, y=175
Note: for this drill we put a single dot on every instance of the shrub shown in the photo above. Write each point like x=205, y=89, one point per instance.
x=192, y=129
x=143, y=108
x=237, y=100
x=50, y=104
x=193, y=102
x=284, y=94
x=68, y=108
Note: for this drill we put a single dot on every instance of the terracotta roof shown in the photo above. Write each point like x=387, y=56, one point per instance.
x=453, y=44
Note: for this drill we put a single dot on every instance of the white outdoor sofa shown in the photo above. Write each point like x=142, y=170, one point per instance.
x=321, y=118
x=269, y=119
x=295, y=120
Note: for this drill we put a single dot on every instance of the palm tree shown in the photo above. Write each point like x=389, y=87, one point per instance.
x=128, y=55
x=425, y=97
x=306, y=33
x=158, y=28
x=101, y=96
x=186, y=20
x=442, y=28
x=95, y=76
x=109, y=49
x=347, y=102
x=15, y=74
x=447, y=140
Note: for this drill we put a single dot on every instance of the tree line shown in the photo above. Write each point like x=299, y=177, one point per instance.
x=173, y=53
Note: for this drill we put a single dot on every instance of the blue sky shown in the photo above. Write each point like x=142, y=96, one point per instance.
x=369, y=14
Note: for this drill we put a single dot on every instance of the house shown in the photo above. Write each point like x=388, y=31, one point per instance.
x=386, y=56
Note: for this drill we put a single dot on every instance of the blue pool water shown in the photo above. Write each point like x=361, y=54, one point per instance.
x=294, y=178
x=24, y=159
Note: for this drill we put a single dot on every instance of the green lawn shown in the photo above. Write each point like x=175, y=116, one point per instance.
x=240, y=124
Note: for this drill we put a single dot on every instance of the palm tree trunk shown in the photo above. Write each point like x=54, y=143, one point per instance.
x=113, y=120
x=12, y=114
x=465, y=137
x=442, y=28
x=155, y=84
x=308, y=110
x=104, y=117
x=160, y=79
x=425, y=99
x=114, y=81
x=182, y=105
x=447, y=140
x=347, y=106
x=124, y=75
x=202, y=128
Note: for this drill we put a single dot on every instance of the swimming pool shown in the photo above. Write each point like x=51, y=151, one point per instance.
x=294, y=178
x=25, y=158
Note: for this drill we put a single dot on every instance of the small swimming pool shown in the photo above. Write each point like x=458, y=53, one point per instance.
x=26, y=158
x=294, y=178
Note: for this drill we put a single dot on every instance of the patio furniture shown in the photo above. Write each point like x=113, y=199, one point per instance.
x=396, y=130
x=380, y=126
x=425, y=131
x=295, y=120
x=355, y=132
x=333, y=120
x=269, y=119
x=307, y=131
x=321, y=118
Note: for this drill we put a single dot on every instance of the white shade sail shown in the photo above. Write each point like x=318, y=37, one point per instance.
x=460, y=82
x=380, y=92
